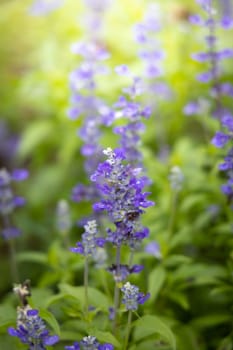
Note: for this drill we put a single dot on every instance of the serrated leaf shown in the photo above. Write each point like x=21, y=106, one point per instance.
x=149, y=325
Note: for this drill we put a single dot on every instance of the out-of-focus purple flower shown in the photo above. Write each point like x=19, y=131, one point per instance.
x=89, y=343
x=8, y=145
x=220, y=139
x=44, y=7
x=220, y=15
x=8, y=201
x=132, y=297
x=153, y=248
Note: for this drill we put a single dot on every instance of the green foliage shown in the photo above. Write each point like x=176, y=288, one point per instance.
x=191, y=283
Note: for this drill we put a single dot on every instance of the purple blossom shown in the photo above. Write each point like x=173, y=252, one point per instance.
x=153, y=248
x=90, y=241
x=8, y=201
x=44, y=7
x=31, y=329
x=220, y=139
x=122, y=197
x=132, y=297
x=89, y=343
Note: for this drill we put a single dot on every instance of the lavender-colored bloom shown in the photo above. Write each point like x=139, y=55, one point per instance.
x=85, y=103
x=44, y=7
x=8, y=201
x=151, y=52
x=122, y=197
x=121, y=272
x=31, y=329
x=132, y=297
x=214, y=57
x=220, y=139
x=8, y=145
x=90, y=241
x=153, y=248
x=89, y=343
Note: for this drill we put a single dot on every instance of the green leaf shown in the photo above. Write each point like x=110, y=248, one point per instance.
x=34, y=257
x=175, y=260
x=106, y=337
x=51, y=320
x=7, y=316
x=211, y=320
x=156, y=281
x=35, y=134
x=96, y=298
x=149, y=325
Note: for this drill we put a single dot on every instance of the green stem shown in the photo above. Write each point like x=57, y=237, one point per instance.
x=86, y=285
x=128, y=326
x=174, y=198
x=116, y=290
x=13, y=261
x=131, y=258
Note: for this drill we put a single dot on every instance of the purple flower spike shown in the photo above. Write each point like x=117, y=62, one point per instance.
x=123, y=198
x=153, y=248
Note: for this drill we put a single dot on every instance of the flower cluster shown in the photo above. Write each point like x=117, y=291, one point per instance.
x=132, y=297
x=31, y=329
x=219, y=89
x=90, y=241
x=8, y=201
x=122, y=197
x=89, y=343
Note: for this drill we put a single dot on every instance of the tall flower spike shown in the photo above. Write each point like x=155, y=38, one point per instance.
x=218, y=89
x=151, y=53
x=132, y=297
x=8, y=201
x=84, y=100
x=122, y=197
